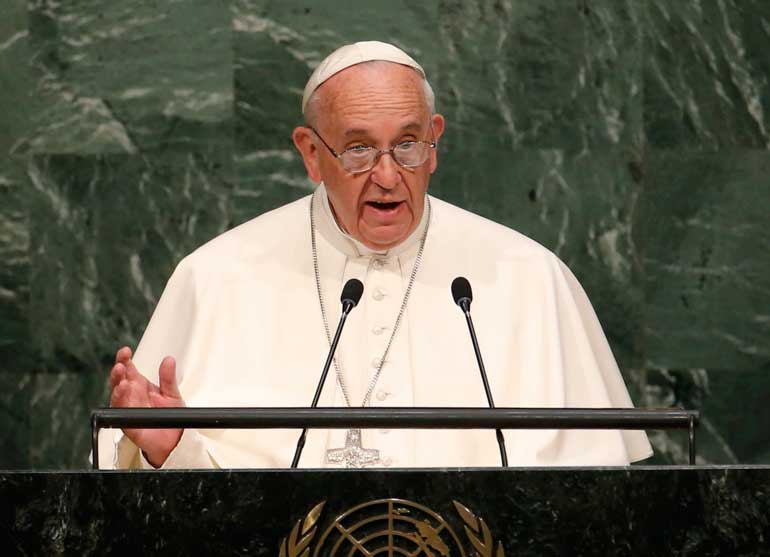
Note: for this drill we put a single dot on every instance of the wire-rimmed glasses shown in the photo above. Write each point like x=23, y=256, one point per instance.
x=360, y=158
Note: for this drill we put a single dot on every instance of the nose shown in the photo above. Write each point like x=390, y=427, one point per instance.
x=386, y=172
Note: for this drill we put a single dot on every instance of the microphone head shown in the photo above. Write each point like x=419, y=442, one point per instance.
x=351, y=293
x=461, y=291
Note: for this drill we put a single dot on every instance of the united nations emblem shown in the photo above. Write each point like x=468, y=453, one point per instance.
x=390, y=527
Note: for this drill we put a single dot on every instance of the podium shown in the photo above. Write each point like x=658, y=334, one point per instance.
x=638, y=510
x=473, y=512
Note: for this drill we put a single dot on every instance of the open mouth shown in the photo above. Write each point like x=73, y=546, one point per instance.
x=383, y=205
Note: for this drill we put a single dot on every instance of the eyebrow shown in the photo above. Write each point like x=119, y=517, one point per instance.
x=411, y=126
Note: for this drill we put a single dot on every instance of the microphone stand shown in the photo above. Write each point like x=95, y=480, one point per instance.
x=347, y=305
x=465, y=306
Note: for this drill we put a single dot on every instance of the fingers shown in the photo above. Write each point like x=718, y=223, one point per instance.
x=123, y=355
x=126, y=371
x=167, y=379
x=126, y=394
x=124, y=367
x=131, y=371
x=117, y=374
x=129, y=387
x=116, y=395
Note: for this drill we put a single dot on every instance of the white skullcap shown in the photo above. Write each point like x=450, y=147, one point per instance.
x=352, y=54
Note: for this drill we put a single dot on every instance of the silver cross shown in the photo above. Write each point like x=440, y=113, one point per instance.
x=353, y=454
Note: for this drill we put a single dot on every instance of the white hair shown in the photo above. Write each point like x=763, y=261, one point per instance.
x=314, y=102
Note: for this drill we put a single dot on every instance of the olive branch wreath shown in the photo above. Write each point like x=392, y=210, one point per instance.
x=475, y=526
x=297, y=544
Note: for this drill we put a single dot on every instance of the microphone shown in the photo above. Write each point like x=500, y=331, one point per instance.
x=462, y=293
x=463, y=296
x=351, y=295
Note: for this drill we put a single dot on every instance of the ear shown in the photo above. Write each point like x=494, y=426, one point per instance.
x=303, y=141
x=438, y=124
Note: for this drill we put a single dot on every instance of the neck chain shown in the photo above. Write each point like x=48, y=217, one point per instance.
x=412, y=277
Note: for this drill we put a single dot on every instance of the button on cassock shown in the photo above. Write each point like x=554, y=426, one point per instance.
x=378, y=294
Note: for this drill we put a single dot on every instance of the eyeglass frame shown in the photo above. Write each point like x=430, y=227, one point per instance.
x=433, y=144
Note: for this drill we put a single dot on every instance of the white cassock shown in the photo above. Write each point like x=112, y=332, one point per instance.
x=242, y=318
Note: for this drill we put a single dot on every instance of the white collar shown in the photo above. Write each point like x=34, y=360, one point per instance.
x=328, y=226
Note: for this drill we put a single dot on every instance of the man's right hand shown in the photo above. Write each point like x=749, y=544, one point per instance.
x=130, y=389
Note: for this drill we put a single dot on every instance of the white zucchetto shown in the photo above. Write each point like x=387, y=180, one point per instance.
x=352, y=54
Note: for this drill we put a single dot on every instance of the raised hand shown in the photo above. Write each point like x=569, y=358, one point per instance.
x=130, y=389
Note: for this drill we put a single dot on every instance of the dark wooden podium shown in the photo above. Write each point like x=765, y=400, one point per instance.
x=559, y=511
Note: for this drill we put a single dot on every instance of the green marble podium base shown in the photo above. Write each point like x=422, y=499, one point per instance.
x=567, y=511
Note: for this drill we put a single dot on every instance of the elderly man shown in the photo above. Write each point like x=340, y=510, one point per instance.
x=245, y=320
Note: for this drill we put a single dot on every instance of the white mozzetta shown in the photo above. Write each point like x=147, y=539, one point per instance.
x=242, y=318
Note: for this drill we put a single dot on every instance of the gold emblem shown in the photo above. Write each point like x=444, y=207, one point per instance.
x=390, y=527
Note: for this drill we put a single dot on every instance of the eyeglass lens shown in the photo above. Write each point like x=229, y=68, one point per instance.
x=409, y=155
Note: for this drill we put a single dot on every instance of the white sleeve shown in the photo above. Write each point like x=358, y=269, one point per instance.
x=190, y=453
x=169, y=332
x=587, y=350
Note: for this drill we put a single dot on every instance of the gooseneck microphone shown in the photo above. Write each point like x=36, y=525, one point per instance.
x=463, y=296
x=351, y=294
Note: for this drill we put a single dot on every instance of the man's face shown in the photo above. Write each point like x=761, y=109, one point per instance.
x=377, y=105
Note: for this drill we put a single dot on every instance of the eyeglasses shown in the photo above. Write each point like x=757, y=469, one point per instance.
x=409, y=154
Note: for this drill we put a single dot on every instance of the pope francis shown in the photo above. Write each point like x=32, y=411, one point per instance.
x=245, y=320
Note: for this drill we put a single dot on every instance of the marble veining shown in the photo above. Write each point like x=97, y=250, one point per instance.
x=629, y=136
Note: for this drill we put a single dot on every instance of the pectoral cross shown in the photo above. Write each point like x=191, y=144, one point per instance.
x=353, y=454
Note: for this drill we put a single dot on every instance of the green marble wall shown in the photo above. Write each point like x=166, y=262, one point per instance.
x=630, y=136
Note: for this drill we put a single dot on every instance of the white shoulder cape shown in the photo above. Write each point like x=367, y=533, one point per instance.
x=241, y=316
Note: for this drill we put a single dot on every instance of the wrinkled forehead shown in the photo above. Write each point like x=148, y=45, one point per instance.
x=373, y=90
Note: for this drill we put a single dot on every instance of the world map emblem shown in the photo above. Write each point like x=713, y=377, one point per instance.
x=390, y=527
